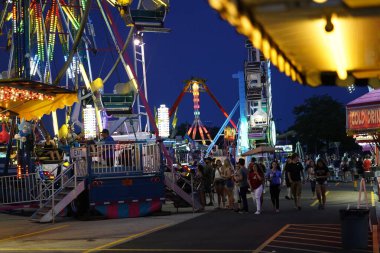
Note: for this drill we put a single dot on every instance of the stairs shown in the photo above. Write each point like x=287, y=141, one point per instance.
x=179, y=194
x=62, y=198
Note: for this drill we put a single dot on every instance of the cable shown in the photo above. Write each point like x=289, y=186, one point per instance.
x=120, y=54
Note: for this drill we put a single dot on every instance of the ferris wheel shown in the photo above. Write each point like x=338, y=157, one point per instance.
x=56, y=42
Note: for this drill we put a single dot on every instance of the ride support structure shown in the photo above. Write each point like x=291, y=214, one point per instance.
x=242, y=142
x=195, y=86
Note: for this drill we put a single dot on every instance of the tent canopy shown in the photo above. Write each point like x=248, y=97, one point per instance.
x=370, y=98
x=333, y=43
x=260, y=150
x=34, y=109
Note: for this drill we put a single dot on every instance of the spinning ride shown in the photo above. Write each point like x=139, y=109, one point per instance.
x=195, y=86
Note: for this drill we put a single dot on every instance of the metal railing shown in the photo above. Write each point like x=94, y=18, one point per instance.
x=61, y=181
x=122, y=159
x=19, y=188
x=29, y=188
x=186, y=186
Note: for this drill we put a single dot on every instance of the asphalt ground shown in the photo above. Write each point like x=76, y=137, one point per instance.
x=291, y=230
x=308, y=230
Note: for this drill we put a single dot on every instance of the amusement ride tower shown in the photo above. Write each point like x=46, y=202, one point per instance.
x=195, y=86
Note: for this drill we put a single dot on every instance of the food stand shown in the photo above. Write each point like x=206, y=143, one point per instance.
x=363, y=123
x=363, y=120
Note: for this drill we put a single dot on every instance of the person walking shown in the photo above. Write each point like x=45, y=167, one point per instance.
x=295, y=174
x=255, y=180
x=367, y=163
x=288, y=195
x=311, y=176
x=274, y=178
x=229, y=183
x=241, y=179
x=208, y=179
x=199, y=182
x=321, y=174
x=219, y=183
x=360, y=167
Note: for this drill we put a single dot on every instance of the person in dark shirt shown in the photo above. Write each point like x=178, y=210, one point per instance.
x=295, y=171
x=107, y=150
x=208, y=174
x=321, y=174
x=359, y=166
x=242, y=179
x=286, y=178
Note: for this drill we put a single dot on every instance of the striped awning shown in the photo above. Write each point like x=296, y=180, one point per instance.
x=336, y=42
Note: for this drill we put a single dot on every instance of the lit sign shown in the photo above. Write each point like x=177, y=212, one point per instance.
x=163, y=121
x=363, y=118
x=364, y=138
x=89, y=119
x=284, y=148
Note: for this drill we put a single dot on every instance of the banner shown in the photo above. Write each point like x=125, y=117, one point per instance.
x=363, y=118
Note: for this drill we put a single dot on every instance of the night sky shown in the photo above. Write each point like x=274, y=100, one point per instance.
x=201, y=44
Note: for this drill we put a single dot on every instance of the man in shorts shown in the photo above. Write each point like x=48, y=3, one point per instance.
x=295, y=175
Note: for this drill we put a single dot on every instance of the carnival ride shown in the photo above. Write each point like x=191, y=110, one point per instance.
x=41, y=67
x=257, y=126
x=195, y=86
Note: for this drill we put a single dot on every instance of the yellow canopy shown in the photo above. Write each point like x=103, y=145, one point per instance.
x=329, y=43
x=35, y=109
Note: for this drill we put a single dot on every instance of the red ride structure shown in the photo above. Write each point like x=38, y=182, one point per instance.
x=195, y=86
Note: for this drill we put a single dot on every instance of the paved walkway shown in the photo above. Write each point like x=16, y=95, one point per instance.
x=308, y=230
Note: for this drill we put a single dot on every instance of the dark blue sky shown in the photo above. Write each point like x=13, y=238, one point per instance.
x=201, y=45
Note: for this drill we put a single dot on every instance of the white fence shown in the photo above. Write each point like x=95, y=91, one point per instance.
x=33, y=187
x=118, y=158
x=19, y=189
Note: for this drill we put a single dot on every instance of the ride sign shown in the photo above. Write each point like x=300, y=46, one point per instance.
x=363, y=118
x=78, y=152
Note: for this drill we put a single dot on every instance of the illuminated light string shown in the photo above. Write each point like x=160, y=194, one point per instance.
x=13, y=94
x=14, y=14
x=83, y=4
x=70, y=15
x=37, y=11
x=62, y=37
x=52, y=27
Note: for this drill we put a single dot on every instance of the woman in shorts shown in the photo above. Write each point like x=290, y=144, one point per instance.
x=321, y=175
x=219, y=184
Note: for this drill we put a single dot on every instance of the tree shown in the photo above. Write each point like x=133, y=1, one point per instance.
x=320, y=122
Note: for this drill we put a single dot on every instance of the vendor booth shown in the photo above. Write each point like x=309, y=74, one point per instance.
x=363, y=121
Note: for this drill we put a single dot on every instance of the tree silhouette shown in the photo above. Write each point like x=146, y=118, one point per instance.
x=320, y=122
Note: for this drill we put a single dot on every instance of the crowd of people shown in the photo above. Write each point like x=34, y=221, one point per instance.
x=346, y=168
x=232, y=184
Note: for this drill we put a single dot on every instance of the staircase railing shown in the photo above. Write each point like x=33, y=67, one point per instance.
x=181, y=186
x=59, y=183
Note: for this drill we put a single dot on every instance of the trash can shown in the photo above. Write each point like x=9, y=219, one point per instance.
x=354, y=228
